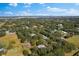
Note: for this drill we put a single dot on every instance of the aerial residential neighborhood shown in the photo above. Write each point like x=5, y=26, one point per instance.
x=39, y=37
x=52, y=29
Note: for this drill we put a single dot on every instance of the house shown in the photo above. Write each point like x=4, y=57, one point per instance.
x=32, y=34
x=53, y=31
x=64, y=33
x=34, y=26
x=27, y=27
x=2, y=50
x=60, y=26
x=41, y=46
x=9, y=32
x=41, y=26
x=62, y=38
x=45, y=37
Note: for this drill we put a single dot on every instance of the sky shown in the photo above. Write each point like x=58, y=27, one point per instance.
x=39, y=9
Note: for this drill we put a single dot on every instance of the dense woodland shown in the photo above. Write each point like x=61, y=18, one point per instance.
x=41, y=36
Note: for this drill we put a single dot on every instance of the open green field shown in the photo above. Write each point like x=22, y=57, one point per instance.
x=74, y=40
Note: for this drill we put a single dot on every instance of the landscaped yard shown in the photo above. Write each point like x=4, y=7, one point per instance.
x=74, y=40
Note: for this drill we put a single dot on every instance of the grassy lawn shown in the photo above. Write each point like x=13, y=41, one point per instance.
x=74, y=40
x=7, y=40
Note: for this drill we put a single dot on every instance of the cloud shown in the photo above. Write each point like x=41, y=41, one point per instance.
x=23, y=13
x=42, y=3
x=41, y=14
x=55, y=12
x=18, y=13
x=13, y=4
x=46, y=11
x=55, y=9
x=77, y=4
x=72, y=12
x=27, y=5
x=8, y=13
x=61, y=11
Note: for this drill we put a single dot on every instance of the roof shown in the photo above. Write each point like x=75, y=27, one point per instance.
x=41, y=46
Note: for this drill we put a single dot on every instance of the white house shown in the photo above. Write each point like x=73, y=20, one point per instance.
x=60, y=26
x=53, y=31
x=27, y=27
x=8, y=32
x=45, y=37
x=41, y=46
x=2, y=50
x=34, y=26
x=64, y=33
x=32, y=34
x=41, y=26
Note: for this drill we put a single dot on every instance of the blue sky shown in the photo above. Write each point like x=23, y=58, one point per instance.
x=39, y=9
